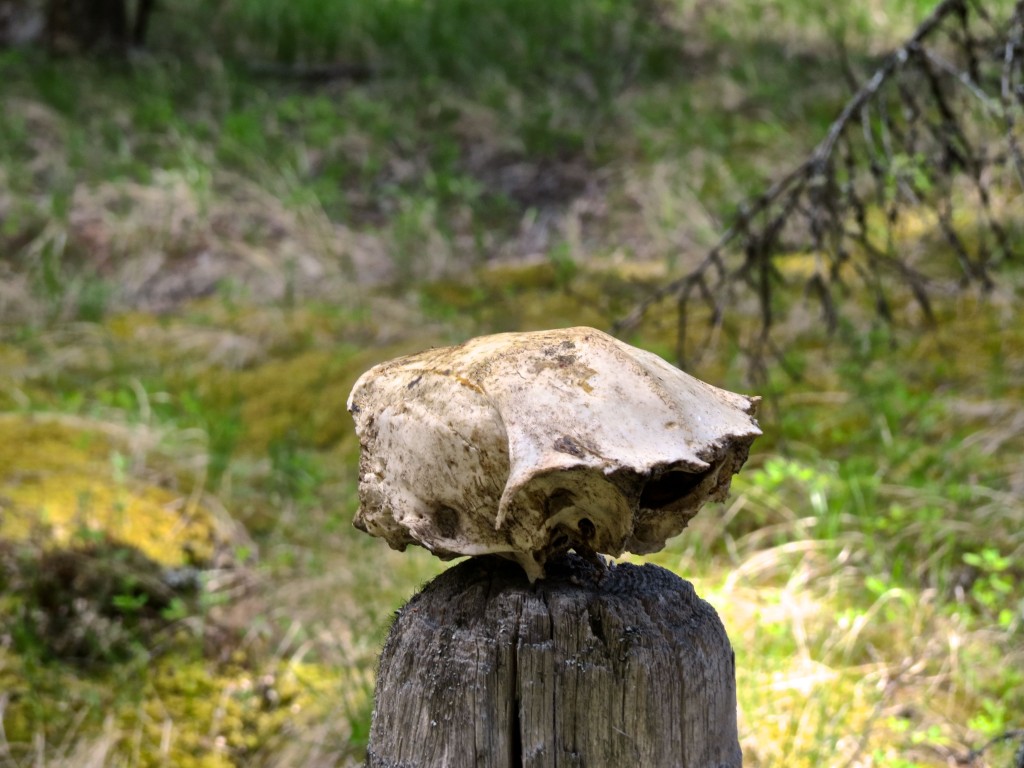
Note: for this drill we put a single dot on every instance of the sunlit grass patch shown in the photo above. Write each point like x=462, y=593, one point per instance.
x=866, y=564
x=65, y=480
x=834, y=667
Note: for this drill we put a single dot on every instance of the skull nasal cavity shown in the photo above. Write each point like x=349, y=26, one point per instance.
x=670, y=488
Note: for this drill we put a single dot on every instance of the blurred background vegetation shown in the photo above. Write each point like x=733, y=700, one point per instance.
x=205, y=239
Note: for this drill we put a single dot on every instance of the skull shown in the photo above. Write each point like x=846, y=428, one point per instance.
x=530, y=444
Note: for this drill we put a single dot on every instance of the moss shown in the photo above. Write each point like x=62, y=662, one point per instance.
x=43, y=700
x=125, y=326
x=239, y=709
x=534, y=296
x=538, y=276
x=67, y=481
x=180, y=710
x=301, y=399
x=14, y=683
x=193, y=716
x=13, y=361
x=11, y=358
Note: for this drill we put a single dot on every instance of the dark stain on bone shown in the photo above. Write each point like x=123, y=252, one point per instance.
x=566, y=444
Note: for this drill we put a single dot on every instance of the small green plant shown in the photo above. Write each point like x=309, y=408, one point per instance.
x=994, y=587
x=294, y=472
x=561, y=259
x=223, y=430
x=93, y=299
x=95, y=603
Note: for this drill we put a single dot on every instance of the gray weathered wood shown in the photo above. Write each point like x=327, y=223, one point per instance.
x=589, y=667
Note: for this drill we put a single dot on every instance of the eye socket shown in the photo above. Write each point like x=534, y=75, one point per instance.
x=671, y=487
x=586, y=528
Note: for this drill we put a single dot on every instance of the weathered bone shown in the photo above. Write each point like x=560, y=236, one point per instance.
x=529, y=444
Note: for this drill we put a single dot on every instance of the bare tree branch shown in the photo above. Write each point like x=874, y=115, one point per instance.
x=931, y=133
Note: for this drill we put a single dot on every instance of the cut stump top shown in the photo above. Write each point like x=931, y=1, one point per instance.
x=592, y=666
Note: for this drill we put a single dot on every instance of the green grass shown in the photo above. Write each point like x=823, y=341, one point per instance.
x=196, y=263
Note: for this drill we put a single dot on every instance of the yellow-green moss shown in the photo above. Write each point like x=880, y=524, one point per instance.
x=64, y=480
x=12, y=362
x=195, y=717
x=11, y=357
x=186, y=712
x=303, y=397
x=519, y=277
x=14, y=684
x=525, y=297
x=126, y=325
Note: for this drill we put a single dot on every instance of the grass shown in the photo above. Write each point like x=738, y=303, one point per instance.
x=196, y=263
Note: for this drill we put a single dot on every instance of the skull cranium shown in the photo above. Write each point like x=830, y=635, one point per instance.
x=528, y=444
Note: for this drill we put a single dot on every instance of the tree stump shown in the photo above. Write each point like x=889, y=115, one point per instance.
x=592, y=666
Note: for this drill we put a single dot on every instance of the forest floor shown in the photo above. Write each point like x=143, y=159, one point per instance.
x=196, y=262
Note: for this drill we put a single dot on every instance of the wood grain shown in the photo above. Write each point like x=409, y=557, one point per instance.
x=592, y=666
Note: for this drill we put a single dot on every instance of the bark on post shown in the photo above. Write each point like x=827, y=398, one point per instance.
x=623, y=666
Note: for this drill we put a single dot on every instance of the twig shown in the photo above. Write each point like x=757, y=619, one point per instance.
x=1013, y=45
x=974, y=754
x=900, y=142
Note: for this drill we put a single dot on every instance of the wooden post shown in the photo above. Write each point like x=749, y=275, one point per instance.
x=590, y=667
x=532, y=445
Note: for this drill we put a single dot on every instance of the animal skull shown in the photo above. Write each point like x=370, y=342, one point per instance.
x=529, y=444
